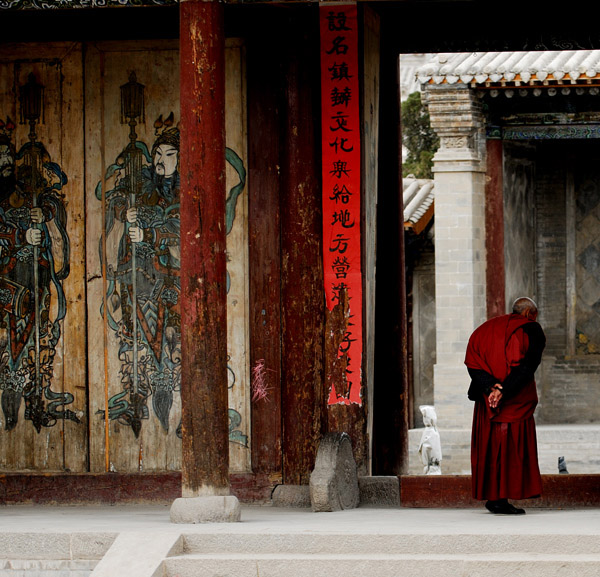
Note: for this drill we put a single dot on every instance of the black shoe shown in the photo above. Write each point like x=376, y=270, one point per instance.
x=503, y=507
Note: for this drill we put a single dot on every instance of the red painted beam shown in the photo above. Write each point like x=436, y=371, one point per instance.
x=116, y=488
x=454, y=491
x=494, y=231
x=205, y=462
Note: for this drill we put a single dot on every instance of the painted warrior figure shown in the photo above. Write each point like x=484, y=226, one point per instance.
x=34, y=260
x=142, y=236
x=145, y=283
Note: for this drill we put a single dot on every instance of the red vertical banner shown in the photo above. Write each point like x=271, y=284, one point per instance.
x=341, y=158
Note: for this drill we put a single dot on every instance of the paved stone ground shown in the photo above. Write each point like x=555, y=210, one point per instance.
x=269, y=541
x=109, y=519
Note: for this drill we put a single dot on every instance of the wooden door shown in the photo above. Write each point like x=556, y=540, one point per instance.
x=42, y=259
x=89, y=257
x=133, y=247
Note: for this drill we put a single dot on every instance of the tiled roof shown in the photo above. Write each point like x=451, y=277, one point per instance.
x=517, y=68
x=409, y=64
x=418, y=197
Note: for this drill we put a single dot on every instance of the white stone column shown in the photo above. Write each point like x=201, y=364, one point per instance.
x=460, y=256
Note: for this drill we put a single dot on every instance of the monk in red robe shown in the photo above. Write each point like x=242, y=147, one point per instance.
x=502, y=357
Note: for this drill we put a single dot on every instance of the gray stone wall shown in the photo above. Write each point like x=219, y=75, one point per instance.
x=423, y=334
x=551, y=245
x=569, y=384
x=570, y=391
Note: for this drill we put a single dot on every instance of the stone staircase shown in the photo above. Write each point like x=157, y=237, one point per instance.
x=275, y=542
x=51, y=554
x=298, y=554
x=579, y=444
x=301, y=555
x=47, y=567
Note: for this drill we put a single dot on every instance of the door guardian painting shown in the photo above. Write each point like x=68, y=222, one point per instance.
x=142, y=266
x=34, y=262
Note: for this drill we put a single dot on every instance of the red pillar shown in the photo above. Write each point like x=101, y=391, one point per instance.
x=302, y=316
x=494, y=231
x=205, y=458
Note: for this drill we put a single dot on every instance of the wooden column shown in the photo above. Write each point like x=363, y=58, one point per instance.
x=302, y=270
x=265, y=254
x=346, y=373
x=205, y=458
x=390, y=427
x=494, y=231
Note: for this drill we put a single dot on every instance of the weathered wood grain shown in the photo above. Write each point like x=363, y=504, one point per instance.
x=302, y=269
x=58, y=444
x=264, y=149
x=109, y=66
x=494, y=226
x=370, y=123
x=205, y=447
x=238, y=322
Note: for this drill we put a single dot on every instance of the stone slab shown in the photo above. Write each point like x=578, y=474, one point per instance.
x=139, y=554
x=291, y=496
x=384, y=566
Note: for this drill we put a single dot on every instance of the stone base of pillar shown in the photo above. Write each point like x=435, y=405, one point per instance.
x=453, y=408
x=192, y=510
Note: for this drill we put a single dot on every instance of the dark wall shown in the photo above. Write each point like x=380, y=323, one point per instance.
x=475, y=25
x=419, y=25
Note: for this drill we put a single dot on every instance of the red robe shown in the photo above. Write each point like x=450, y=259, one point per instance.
x=503, y=443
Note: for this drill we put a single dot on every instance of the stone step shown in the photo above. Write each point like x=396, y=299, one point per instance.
x=383, y=544
x=46, y=567
x=382, y=565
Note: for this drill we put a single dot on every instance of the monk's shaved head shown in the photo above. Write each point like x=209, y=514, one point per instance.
x=524, y=306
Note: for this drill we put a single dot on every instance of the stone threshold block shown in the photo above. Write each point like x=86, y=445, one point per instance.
x=373, y=492
x=379, y=491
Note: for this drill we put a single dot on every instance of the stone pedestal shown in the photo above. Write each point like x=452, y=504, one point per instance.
x=334, y=480
x=212, y=509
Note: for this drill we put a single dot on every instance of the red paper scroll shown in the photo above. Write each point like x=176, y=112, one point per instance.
x=340, y=119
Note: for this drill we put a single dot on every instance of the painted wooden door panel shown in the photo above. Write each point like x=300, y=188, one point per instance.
x=42, y=290
x=89, y=257
x=133, y=283
x=238, y=332
x=133, y=244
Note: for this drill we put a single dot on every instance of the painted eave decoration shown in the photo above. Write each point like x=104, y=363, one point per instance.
x=418, y=199
x=65, y=4
x=558, y=68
